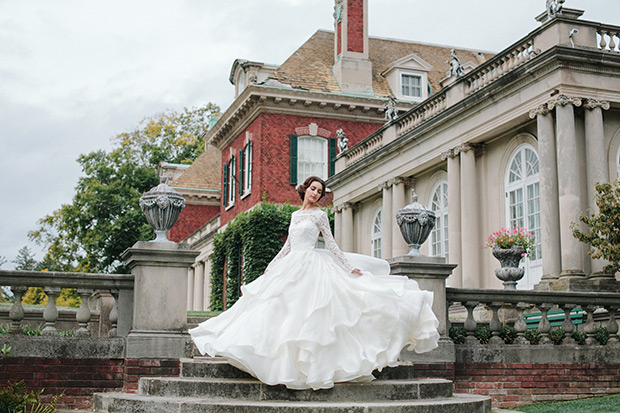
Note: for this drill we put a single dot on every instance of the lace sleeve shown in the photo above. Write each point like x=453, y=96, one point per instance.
x=286, y=248
x=331, y=243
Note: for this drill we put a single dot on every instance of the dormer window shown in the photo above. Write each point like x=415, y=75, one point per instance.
x=411, y=85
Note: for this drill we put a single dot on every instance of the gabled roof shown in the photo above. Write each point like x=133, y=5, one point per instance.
x=205, y=172
x=310, y=67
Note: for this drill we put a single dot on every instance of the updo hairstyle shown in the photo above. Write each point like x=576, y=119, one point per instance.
x=301, y=189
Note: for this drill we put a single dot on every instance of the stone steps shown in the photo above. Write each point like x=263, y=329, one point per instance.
x=212, y=385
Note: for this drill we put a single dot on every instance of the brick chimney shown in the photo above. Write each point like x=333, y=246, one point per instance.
x=352, y=69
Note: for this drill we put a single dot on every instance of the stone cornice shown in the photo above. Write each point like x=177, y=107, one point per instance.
x=258, y=98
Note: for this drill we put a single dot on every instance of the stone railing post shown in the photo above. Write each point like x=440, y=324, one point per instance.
x=431, y=274
x=159, y=326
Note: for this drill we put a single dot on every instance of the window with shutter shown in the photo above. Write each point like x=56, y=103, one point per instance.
x=241, y=172
x=225, y=193
x=332, y=156
x=293, y=159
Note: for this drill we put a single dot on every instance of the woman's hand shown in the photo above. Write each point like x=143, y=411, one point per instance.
x=357, y=271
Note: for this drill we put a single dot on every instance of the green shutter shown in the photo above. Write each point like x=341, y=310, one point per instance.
x=233, y=178
x=332, y=156
x=293, y=156
x=225, y=194
x=240, y=172
x=250, y=155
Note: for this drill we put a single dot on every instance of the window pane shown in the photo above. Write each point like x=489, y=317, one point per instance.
x=311, y=158
x=411, y=85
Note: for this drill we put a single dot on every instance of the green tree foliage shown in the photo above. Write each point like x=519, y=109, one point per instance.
x=25, y=260
x=2, y=261
x=603, y=233
x=104, y=218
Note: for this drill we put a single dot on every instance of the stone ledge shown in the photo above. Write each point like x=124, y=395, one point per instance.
x=65, y=347
x=535, y=354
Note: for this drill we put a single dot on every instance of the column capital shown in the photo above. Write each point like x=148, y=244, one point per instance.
x=337, y=208
x=347, y=205
x=356, y=206
x=450, y=153
x=595, y=103
x=384, y=185
x=539, y=110
x=563, y=100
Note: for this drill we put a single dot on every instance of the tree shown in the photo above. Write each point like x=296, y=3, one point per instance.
x=104, y=217
x=2, y=261
x=603, y=233
x=25, y=260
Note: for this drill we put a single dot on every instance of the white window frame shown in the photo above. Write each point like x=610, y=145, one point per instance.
x=301, y=151
x=618, y=163
x=529, y=208
x=439, y=234
x=247, y=169
x=404, y=75
x=232, y=187
x=376, y=231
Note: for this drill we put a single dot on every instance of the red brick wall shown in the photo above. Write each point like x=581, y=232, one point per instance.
x=271, y=165
x=80, y=378
x=511, y=385
x=338, y=38
x=190, y=219
x=355, y=26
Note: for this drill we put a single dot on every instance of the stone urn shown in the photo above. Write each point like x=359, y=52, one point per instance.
x=509, y=259
x=162, y=206
x=416, y=223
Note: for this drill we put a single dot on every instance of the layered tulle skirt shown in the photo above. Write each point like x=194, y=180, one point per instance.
x=308, y=323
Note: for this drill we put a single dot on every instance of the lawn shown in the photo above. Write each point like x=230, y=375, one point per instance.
x=604, y=404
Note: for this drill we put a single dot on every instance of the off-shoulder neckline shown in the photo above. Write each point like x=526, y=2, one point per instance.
x=309, y=210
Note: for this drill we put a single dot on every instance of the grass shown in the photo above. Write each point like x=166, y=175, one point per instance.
x=604, y=404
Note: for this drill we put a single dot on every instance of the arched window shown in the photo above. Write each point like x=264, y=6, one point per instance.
x=311, y=158
x=439, y=236
x=375, y=235
x=523, y=205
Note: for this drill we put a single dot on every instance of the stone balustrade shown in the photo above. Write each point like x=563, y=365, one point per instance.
x=608, y=38
x=512, y=307
x=119, y=286
x=363, y=148
x=424, y=111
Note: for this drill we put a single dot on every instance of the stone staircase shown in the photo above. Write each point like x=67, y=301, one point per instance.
x=212, y=385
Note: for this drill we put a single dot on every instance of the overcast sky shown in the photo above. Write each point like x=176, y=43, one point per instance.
x=74, y=74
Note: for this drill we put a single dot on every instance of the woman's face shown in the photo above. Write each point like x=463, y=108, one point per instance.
x=314, y=192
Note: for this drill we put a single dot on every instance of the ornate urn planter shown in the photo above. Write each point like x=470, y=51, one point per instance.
x=509, y=258
x=162, y=206
x=416, y=223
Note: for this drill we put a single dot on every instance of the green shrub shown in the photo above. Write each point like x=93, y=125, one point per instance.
x=15, y=398
x=68, y=333
x=458, y=334
x=4, y=329
x=557, y=335
x=29, y=331
x=508, y=334
x=533, y=336
x=579, y=337
x=483, y=334
x=601, y=335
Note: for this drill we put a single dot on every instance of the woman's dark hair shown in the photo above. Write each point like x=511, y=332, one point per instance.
x=301, y=189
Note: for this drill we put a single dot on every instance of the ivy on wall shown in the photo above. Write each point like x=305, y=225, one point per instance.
x=245, y=248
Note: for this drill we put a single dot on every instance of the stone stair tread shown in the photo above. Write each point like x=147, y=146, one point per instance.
x=457, y=401
x=429, y=380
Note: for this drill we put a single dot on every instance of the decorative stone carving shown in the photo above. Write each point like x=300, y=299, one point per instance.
x=343, y=141
x=563, y=100
x=450, y=153
x=554, y=8
x=416, y=223
x=595, y=103
x=509, y=259
x=162, y=206
x=391, y=112
x=456, y=68
x=539, y=110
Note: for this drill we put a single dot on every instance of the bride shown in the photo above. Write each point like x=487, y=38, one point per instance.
x=314, y=318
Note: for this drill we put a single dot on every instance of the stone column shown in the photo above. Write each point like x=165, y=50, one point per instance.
x=347, y=227
x=454, y=215
x=159, y=327
x=431, y=274
x=569, y=185
x=199, y=280
x=470, y=240
x=597, y=168
x=399, y=246
x=338, y=225
x=190, y=288
x=549, y=209
x=387, y=220
x=206, y=285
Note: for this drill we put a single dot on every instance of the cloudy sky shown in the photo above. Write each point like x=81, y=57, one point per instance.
x=75, y=73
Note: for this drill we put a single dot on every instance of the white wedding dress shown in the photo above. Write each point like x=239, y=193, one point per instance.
x=309, y=323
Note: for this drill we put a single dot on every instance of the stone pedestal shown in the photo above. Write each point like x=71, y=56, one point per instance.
x=431, y=274
x=159, y=328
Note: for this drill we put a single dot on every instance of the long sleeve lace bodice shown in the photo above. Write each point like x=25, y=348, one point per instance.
x=304, y=232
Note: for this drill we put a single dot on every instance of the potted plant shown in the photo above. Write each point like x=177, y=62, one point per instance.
x=509, y=246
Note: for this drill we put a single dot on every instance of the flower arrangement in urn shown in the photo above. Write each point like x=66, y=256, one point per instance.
x=509, y=247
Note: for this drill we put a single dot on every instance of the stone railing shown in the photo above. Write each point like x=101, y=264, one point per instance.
x=426, y=110
x=499, y=307
x=120, y=287
x=363, y=148
x=608, y=38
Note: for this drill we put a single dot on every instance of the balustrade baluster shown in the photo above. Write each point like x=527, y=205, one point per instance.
x=568, y=325
x=50, y=314
x=114, y=314
x=589, y=326
x=16, y=314
x=612, y=43
x=470, y=323
x=612, y=325
x=520, y=324
x=494, y=324
x=83, y=313
x=602, y=44
x=544, y=327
